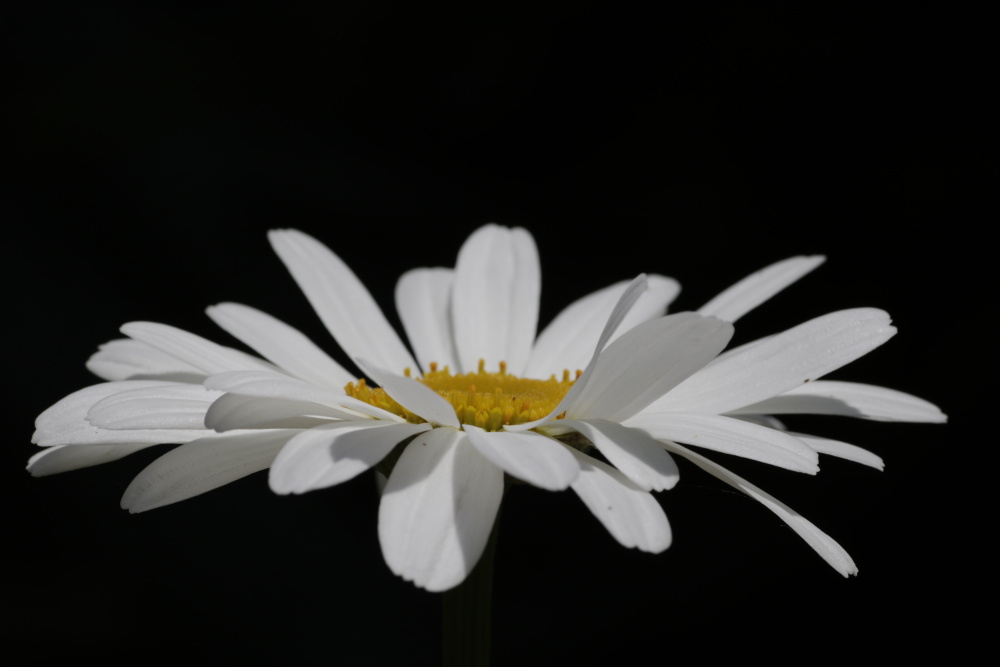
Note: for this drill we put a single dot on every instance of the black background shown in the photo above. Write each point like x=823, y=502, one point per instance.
x=153, y=146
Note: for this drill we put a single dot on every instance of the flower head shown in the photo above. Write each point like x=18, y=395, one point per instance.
x=596, y=403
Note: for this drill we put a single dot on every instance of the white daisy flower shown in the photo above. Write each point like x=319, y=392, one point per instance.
x=611, y=376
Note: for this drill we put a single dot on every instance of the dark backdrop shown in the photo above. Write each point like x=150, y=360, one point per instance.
x=153, y=146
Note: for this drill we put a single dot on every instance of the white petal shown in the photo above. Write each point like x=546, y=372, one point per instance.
x=438, y=509
x=528, y=456
x=758, y=287
x=648, y=361
x=823, y=544
x=63, y=458
x=127, y=359
x=761, y=420
x=841, y=450
x=631, y=515
x=334, y=453
x=416, y=397
x=281, y=344
x=625, y=303
x=341, y=301
x=199, y=352
x=70, y=410
x=866, y=401
x=85, y=433
x=65, y=423
x=202, y=465
x=177, y=406
x=731, y=436
x=234, y=411
x=270, y=384
x=423, y=300
x=495, y=298
x=638, y=456
x=773, y=366
x=570, y=339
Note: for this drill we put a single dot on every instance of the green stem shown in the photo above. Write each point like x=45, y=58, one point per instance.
x=467, y=613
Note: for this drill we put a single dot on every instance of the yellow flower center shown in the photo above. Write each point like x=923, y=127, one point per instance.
x=487, y=400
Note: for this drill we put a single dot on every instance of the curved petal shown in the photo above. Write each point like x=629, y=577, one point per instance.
x=438, y=509
x=731, y=436
x=65, y=422
x=127, y=359
x=63, y=458
x=202, y=465
x=495, y=298
x=199, y=352
x=341, y=301
x=852, y=399
x=333, y=453
x=648, y=361
x=631, y=515
x=85, y=433
x=568, y=342
x=528, y=456
x=779, y=363
x=423, y=301
x=736, y=301
x=66, y=413
x=416, y=397
x=176, y=406
x=624, y=305
x=823, y=544
x=235, y=411
x=638, y=456
x=277, y=385
x=280, y=344
x=841, y=450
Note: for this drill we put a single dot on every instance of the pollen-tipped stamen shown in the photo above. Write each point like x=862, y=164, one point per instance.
x=487, y=400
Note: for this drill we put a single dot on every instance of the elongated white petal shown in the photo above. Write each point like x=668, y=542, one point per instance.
x=63, y=458
x=790, y=359
x=736, y=301
x=281, y=344
x=866, y=401
x=341, y=301
x=177, y=406
x=199, y=352
x=85, y=433
x=234, y=411
x=65, y=423
x=638, y=456
x=823, y=544
x=648, y=361
x=761, y=420
x=528, y=456
x=495, y=298
x=841, y=450
x=127, y=359
x=423, y=301
x=334, y=453
x=625, y=303
x=631, y=515
x=732, y=436
x=570, y=339
x=277, y=385
x=70, y=410
x=438, y=509
x=416, y=397
x=202, y=465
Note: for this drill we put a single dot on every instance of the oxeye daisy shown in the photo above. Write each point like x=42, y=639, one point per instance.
x=596, y=403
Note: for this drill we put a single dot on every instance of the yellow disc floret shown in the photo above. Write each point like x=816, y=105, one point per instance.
x=487, y=400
